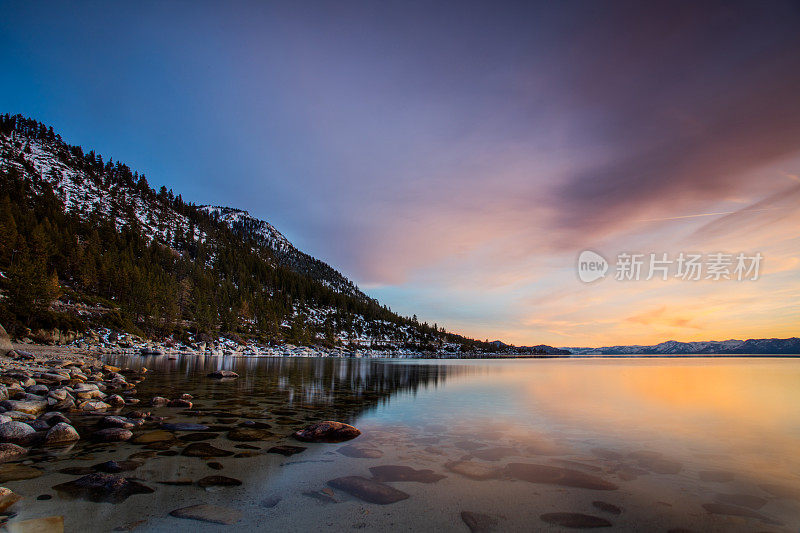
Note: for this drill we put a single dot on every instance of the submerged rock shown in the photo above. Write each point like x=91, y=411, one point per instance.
x=286, y=450
x=115, y=467
x=575, y=520
x=479, y=522
x=716, y=476
x=202, y=449
x=100, y=487
x=735, y=510
x=368, y=490
x=360, y=452
x=554, y=475
x=184, y=426
x=209, y=513
x=607, y=507
x=249, y=434
x=473, y=470
x=195, y=437
x=50, y=524
x=220, y=374
x=270, y=502
x=742, y=500
x=112, y=435
x=494, y=454
x=660, y=465
x=77, y=471
x=321, y=495
x=327, y=431
x=158, y=435
x=16, y=472
x=218, y=481
x=404, y=473
x=118, y=422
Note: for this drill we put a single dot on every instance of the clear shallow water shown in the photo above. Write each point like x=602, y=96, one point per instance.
x=673, y=443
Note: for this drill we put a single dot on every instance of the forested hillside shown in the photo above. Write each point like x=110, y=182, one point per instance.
x=87, y=242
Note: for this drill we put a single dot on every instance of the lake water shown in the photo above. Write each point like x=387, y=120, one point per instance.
x=649, y=444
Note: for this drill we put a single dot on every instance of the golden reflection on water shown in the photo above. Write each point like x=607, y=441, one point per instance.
x=749, y=409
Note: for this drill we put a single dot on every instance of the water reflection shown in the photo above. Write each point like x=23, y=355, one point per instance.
x=636, y=445
x=334, y=387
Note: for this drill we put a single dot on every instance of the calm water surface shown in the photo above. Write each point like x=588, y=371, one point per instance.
x=698, y=444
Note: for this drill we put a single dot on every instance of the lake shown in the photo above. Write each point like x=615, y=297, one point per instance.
x=631, y=444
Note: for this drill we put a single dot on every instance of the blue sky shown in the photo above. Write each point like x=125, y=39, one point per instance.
x=452, y=157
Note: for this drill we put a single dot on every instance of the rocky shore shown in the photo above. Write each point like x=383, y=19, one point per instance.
x=40, y=396
x=48, y=405
x=106, y=341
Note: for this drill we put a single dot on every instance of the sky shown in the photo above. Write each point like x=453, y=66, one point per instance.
x=454, y=158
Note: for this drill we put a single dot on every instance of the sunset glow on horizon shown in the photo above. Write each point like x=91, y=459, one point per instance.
x=454, y=162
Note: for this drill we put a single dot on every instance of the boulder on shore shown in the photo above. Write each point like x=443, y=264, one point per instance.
x=327, y=431
x=16, y=432
x=9, y=452
x=61, y=433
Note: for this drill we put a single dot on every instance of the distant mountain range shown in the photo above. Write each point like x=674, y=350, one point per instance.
x=788, y=346
x=539, y=349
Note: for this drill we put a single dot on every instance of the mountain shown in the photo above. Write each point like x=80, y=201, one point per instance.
x=265, y=235
x=88, y=243
x=789, y=346
x=539, y=349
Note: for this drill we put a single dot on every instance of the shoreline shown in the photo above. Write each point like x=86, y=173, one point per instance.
x=90, y=356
